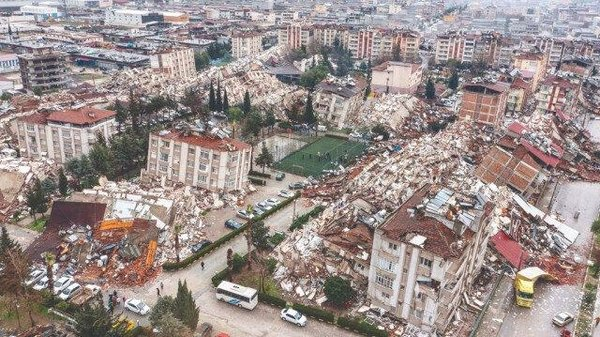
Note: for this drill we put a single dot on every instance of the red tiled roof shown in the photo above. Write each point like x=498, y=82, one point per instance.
x=516, y=127
x=544, y=157
x=439, y=237
x=83, y=116
x=207, y=142
x=510, y=249
x=37, y=118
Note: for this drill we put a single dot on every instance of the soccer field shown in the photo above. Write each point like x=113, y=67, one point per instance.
x=325, y=153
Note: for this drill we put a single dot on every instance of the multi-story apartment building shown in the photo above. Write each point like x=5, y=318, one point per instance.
x=63, y=135
x=131, y=17
x=449, y=47
x=557, y=95
x=337, y=100
x=484, y=103
x=517, y=95
x=532, y=66
x=9, y=62
x=43, y=70
x=396, y=77
x=295, y=35
x=426, y=255
x=175, y=62
x=246, y=44
x=326, y=35
x=197, y=159
x=468, y=48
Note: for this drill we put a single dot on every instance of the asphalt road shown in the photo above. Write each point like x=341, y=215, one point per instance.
x=22, y=235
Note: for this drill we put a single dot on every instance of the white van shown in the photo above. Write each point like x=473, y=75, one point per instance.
x=70, y=291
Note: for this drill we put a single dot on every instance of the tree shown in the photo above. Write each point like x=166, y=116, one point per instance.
x=229, y=263
x=48, y=186
x=122, y=114
x=260, y=235
x=265, y=158
x=247, y=106
x=338, y=290
x=309, y=113
x=380, y=130
x=270, y=120
x=225, y=100
x=169, y=326
x=185, y=308
x=430, y=89
x=101, y=159
x=193, y=100
x=219, y=101
x=95, y=321
x=165, y=304
x=235, y=115
x=176, y=232
x=15, y=272
x=201, y=60
x=453, y=80
x=396, y=53
x=134, y=109
x=50, y=259
x=36, y=200
x=252, y=124
x=83, y=170
x=212, y=102
x=63, y=185
x=6, y=242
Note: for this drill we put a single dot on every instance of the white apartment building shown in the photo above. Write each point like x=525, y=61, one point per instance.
x=246, y=44
x=40, y=12
x=337, y=100
x=422, y=263
x=205, y=161
x=396, y=77
x=176, y=62
x=63, y=135
x=9, y=62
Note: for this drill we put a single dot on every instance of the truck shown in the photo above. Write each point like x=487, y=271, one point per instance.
x=524, y=285
x=88, y=293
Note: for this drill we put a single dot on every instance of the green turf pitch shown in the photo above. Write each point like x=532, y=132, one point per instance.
x=325, y=153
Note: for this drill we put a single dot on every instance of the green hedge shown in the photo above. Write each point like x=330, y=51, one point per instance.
x=169, y=266
x=360, y=326
x=259, y=174
x=273, y=300
x=257, y=181
x=301, y=220
x=315, y=312
x=220, y=276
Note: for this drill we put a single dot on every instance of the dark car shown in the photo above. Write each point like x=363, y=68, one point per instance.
x=233, y=224
x=279, y=176
x=296, y=186
x=198, y=246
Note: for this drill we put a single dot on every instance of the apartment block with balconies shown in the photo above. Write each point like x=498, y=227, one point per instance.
x=44, y=70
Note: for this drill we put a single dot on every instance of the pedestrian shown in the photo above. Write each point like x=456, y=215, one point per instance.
x=202, y=265
x=115, y=293
x=138, y=322
x=158, y=292
x=162, y=286
x=123, y=300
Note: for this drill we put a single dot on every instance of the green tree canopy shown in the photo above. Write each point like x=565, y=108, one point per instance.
x=36, y=199
x=453, y=81
x=63, y=185
x=252, y=124
x=225, y=100
x=185, y=308
x=309, y=112
x=265, y=158
x=429, y=89
x=169, y=326
x=260, y=235
x=95, y=321
x=165, y=304
x=212, y=99
x=201, y=60
x=247, y=106
x=338, y=290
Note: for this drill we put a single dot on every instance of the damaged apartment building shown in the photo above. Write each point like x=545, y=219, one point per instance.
x=427, y=254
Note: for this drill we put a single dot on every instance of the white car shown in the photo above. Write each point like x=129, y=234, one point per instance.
x=137, y=306
x=273, y=201
x=264, y=206
x=285, y=194
x=563, y=319
x=41, y=284
x=70, y=291
x=62, y=283
x=35, y=276
x=245, y=214
x=293, y=316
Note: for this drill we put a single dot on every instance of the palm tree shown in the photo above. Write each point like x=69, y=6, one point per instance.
x=50, y=259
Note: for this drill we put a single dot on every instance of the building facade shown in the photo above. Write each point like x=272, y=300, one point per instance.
x=295, y=36
x=130, y=17
x=9, y=62
x=396, y=77
x=176, y=62
x=336, y=101
x=63, y=135
x=484, y=103
x=426, y=256
x=246, y=44
x=532, y=65
x=205, y=161
x=43, y=70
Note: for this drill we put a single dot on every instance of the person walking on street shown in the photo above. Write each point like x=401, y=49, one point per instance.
x=202, y=265
x=162, y=286
x=158, y=292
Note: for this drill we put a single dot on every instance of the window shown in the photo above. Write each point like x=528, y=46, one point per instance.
x=202, y=167
x=164, y=156
x=163, y=168
x=420, y=296
x=215, y=156
x=204, y=154
x=425, y=262
x=419, y=313
x=384, y=280
x=30, y=127
x=386, y=264
x=392, y=246
x=202, y=178
x=165, y=143
x=385, y=295
x=191, y=151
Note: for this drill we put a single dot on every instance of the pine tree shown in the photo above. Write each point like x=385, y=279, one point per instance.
x=63, y=186
x=185, y=308
x=265, y=158
x=247, y=105
x=36, y=200
x=219, y=102
x=309, y=113
x=225, y=101
x=211, y=98
x=121, y=116
x=6, y=242
x=134, y=110
x=430, y=89
x=270, y=120
x=453, y=81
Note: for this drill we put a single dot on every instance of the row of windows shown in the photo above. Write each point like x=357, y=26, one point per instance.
x=234, y=295
x=384, y=280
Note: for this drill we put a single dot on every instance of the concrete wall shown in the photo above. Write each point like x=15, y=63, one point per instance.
x=280, y=146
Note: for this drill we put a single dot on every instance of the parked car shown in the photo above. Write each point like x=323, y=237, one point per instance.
x=204, y=330
x=198, y=246
x=293, y=316
x=258, y=211
x=70, y=291
x=62, y=283
x=296, y=186
x=244, y=214
x=137, y=306
x=233, y=224
x=563, y=319
x=273, y=201
x=263, y=205
x=35, y=276
x=285, y=194
x=41, y=284
x=279, y=176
